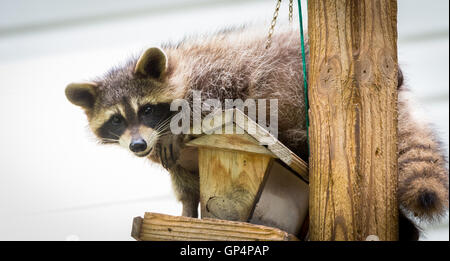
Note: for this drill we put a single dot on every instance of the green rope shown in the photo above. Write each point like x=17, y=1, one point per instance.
x=305, y=75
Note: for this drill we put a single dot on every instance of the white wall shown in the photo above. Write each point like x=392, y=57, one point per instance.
x=56, y=183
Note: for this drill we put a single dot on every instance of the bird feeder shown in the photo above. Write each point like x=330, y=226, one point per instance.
x=248, y=180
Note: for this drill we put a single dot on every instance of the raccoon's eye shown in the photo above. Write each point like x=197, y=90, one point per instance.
x=147, y=110
x=116, y=120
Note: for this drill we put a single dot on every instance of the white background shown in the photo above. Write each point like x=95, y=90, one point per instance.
x=56, y=183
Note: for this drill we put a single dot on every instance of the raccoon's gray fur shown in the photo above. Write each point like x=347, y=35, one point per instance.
x=130, y=103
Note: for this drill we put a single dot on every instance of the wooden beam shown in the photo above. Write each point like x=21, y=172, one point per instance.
x=353, y=111
x=162, y=227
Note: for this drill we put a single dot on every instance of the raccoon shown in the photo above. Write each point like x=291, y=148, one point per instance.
x=130, y=106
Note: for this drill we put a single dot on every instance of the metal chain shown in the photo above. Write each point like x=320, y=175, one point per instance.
x=291, y=10
x=274, y=20
x=272, y=25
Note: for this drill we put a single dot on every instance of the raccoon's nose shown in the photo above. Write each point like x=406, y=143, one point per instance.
x=138, y=145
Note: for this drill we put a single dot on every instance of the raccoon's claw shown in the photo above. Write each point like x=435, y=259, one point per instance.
x=164, y=157
x=159, y=153
x=171, y=152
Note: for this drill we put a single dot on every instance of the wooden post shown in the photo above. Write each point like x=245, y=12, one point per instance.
x=353, y=112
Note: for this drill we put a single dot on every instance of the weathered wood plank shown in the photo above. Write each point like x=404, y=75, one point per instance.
x=165, y=227
x=236, y=142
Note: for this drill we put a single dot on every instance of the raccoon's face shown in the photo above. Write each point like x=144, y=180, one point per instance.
x=130, y=106
x=134, y=124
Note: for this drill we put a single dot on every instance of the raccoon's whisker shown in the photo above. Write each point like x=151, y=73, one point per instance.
x=163, y=122
x=117, y=136
x=164, y=133
x=165, y=130
x=112, y=140
x=163, y=126
x=167, y=120
x=105, y=140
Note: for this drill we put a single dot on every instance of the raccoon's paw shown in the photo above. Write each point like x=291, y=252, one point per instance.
x=424, y=193
x=168, y=150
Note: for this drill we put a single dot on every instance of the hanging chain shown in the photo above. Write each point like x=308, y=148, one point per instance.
x=291, y=10
x=274, y=20
x=272, y=25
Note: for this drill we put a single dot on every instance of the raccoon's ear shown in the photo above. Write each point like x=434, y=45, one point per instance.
x=152, y=62
x=82, y=94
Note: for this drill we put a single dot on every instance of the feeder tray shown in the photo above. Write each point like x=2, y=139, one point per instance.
x=161, y=227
